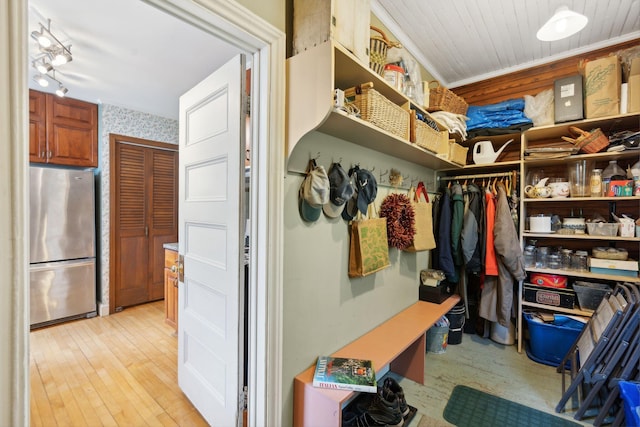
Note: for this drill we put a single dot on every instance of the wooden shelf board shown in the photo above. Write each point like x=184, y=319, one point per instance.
x=367, y=135
x=493, y=166
x=580, y=237
x=558, y=309
x=580, y=199
x=585, y=274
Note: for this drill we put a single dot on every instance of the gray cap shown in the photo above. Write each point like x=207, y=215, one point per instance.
x=314, y=192
x=340, y=191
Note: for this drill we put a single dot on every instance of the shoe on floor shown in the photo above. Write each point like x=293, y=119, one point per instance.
x=384, y=410
x=392, y=385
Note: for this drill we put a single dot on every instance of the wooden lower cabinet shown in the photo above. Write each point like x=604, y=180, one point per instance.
x=171, y=288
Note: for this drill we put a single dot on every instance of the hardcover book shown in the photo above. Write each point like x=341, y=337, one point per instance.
x=345, y=374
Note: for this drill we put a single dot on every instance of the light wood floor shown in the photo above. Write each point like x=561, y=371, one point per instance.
x=485, y=365
x=118, y=370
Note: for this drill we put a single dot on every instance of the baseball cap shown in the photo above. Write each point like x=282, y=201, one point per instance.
x=314, y=192
x=340, y=191
x=367, y=189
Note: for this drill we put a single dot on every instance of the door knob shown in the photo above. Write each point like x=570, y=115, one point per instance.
x=174, y=268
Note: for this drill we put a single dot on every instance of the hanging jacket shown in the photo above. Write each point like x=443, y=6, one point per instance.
x=445, y=258
x=510, y=264
x=490, y=261
x=457, y=218
x=435, y=253
x=471, y=230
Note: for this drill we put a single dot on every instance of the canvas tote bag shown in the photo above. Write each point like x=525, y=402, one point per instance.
x=368, y=248
x=423, y=240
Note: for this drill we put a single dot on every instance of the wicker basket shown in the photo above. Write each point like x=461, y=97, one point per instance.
x=457, y=153
x=427, y=137
x=378, y=110
x=378, y=46
x=587, y=142
x=442, y=99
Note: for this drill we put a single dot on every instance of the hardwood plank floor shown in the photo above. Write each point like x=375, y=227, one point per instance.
x=485, y=365
x=118, y=370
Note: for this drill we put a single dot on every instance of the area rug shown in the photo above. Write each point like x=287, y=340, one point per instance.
x=468, y=407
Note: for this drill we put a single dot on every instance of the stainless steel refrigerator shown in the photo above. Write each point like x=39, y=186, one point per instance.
x=62, y=245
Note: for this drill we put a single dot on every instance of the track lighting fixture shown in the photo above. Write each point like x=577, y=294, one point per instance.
x=52, y=53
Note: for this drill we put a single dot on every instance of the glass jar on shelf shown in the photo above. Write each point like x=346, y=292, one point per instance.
x=565, y=258
x=579, y=261
x=529, y=254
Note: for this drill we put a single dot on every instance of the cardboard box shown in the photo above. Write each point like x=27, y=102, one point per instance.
x=633, y=87
x=567, y=98
x=556, y=297
x=629, y=264
x=602, y=82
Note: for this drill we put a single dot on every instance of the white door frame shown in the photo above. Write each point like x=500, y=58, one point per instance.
x=238, y=26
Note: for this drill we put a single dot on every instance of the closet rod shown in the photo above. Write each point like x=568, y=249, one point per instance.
x=482, y=175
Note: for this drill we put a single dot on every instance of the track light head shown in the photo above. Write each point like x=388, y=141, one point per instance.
x=61, y=91
x=43, y=67
x=41, y=80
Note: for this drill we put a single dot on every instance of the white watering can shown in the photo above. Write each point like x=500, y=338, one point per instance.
x=483, y=152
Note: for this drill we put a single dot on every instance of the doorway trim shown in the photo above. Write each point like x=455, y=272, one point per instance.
x=239, y=26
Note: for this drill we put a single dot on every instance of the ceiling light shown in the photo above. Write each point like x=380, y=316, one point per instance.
x=43, y=67
x=42, y=39
x=61, y=91
x=41, y=80
x=61, y=58
x=562, y=24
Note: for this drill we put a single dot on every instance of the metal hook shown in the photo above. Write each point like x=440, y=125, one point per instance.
x=316, y=157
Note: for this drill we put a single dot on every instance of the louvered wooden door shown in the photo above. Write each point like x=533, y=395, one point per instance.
x=145, y=214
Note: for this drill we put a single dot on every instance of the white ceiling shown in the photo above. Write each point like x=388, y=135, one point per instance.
x=461, y=42
x=129, y=54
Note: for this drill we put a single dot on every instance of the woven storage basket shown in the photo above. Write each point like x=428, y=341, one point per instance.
x=378, y=110
x=427, y=137
x=378, y=46
x=442, y=99
x=457, y=153
x=587, y=142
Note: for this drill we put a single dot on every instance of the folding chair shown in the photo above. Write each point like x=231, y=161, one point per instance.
x=594, y=342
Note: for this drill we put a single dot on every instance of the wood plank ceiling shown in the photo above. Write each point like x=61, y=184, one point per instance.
x=460, y=42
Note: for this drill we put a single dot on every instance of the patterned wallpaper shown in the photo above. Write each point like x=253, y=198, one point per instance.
x=132, y=123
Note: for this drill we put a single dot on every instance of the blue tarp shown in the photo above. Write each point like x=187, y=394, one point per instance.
x=501, y=115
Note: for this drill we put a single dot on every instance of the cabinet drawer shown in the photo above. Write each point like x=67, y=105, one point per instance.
x=170, y=258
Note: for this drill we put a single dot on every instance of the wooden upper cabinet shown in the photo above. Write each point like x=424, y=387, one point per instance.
x=37, y=127
x=70, y=130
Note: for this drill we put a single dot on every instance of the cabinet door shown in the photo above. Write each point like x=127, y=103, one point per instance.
x=171, y=298
x=37, y=127
x=72, y=132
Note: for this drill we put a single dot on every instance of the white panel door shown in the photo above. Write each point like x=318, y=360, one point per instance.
x=210, y=318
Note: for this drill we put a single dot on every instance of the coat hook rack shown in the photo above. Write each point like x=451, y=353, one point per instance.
x=382, y=175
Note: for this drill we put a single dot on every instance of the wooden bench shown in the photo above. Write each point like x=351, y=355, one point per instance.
x=397, y=345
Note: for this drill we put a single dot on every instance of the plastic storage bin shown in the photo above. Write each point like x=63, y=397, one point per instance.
x=590, y=294
x=603, y=229
x=550, y=342
x=630, y=392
